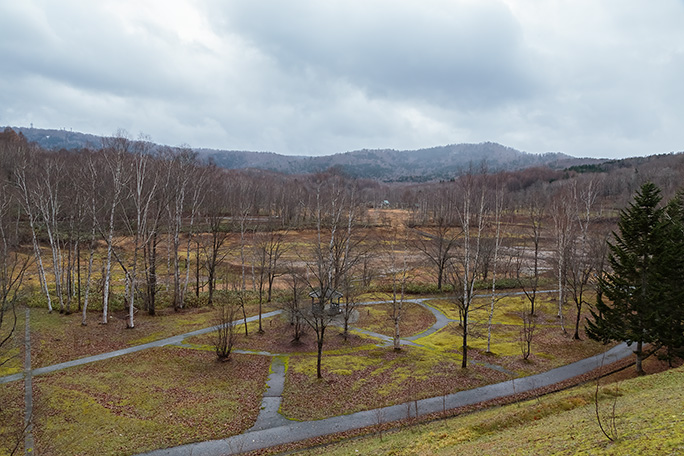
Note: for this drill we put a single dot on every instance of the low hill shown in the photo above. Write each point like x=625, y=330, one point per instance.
x=649, y=413
x=436, y=163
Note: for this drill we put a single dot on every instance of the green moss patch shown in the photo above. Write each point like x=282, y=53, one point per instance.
x=158, y=398
x=374, y=378
x=378, y=318
x=11, y=418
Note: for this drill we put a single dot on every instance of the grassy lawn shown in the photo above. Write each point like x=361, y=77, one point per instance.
x=562, y=423
x=277, y=338
x=374, y=378
x=11, y=418
x=169, y=396
x=12, y=351
x=158, y=398
x=377, y=318
x=56, y=337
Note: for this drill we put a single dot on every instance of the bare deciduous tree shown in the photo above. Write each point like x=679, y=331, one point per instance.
x=464, y=269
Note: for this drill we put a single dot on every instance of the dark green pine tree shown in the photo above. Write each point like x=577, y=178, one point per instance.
x=628, y=298
x=670, y=313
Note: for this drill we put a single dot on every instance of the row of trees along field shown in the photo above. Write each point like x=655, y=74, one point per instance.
x=175, y=229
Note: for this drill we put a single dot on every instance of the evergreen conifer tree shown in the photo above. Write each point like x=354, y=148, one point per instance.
x=627, y=307
x=669, y=318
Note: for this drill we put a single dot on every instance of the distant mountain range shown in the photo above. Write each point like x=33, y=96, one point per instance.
x=435, y=163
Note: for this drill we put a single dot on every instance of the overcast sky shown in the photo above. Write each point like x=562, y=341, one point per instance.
x=585, y=77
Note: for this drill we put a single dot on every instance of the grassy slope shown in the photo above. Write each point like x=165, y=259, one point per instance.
x=650, y=420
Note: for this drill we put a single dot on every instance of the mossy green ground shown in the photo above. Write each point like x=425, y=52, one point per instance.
x=12, y=352
x=11, y=418
x=56, y=337
x=157, y=398
x=649, y=412
x=277, y=337
x=374, y=378
x=378, y=318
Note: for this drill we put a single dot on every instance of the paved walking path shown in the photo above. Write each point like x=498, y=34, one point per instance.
x=297, y=430
x=175, y=340
x=269, y=416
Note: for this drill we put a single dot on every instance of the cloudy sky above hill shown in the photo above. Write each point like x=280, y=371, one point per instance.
x=600, y=78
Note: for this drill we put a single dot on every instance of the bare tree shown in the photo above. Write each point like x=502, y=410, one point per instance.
x=562, y=213
x=226, y=334
x=90, y=175
x=398, y=273
x=13, y=266
x=145, y=181
x=498, y=213
x=268, y=249
x=47, y=195
x=23, y=179
x=298, y=287
x=116, y=150
x=584, y=251
x=438, y=243
x=198, y=189
x=180, y=163
x=536, y=211
x=218, y=233
x=334, y=252
x=464, y=270
x=527, y=332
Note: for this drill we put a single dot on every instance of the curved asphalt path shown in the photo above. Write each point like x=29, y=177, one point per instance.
x=301, y=430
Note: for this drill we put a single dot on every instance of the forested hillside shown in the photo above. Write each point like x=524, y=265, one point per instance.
x=422, y=165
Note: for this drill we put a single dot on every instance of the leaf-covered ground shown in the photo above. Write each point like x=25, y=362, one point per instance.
x=278, y=338
x=11, y=418
x=374, y=378
x=158, y=398
x=378, y=318
x=56, y=338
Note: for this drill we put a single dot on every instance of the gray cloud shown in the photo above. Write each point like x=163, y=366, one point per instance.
x=309, y=77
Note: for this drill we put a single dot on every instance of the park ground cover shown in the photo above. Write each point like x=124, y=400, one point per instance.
x=11, y=418
x=153, y=399
x=57, y=338
x=562, y=423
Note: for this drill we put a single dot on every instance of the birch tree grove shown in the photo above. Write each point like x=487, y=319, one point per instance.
x=145, y=181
